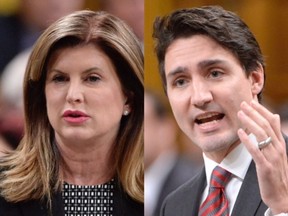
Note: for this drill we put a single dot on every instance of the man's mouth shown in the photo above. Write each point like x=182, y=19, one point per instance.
x=209, y=117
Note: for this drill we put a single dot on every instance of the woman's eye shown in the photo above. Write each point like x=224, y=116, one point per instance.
x=93, y=78
x=59, y=78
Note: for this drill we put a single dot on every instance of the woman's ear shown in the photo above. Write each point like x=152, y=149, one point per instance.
x=128, y=103
x=257, y=78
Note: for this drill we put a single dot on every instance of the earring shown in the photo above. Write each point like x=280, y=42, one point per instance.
x=126, y=112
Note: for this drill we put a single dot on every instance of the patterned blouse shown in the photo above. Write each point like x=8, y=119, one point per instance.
x=94, y=200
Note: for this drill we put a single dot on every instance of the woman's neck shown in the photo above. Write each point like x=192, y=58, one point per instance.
x=86, y=165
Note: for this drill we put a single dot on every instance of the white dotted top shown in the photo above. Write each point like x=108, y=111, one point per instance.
x=94, y=200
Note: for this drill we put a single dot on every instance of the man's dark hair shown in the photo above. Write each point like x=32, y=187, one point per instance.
x=225, y=27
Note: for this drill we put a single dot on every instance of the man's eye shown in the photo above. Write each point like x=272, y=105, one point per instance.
x=180, y=82
x=215, y=74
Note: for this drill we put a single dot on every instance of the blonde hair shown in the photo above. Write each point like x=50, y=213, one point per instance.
x=32, y=171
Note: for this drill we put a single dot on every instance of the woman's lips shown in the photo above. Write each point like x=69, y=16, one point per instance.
x=75, y=116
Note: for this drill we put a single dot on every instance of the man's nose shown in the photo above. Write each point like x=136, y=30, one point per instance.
x=201, y=94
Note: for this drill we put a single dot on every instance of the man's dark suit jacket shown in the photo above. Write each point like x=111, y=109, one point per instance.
x=123, y=206
x=185, y=201
x=183, y=170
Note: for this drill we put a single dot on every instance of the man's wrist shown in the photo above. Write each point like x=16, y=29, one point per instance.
x=269, y=213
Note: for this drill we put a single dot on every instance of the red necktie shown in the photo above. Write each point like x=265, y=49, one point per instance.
x=216, y=203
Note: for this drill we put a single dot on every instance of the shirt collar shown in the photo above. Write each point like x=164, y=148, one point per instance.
x=236, y=162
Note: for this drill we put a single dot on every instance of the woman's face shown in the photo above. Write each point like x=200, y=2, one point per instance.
x=85, y=101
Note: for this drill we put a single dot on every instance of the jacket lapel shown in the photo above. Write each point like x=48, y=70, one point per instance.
x=187, y=200
x=38, y=208
x=196, y=195
x=33, y=208
x=249, y=201
x=124, y=204
x=57, y=205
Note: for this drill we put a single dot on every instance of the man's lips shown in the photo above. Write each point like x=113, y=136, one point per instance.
x=209, y=117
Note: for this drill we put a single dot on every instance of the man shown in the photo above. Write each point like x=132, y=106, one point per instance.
x=165, y=168
x=213, y=73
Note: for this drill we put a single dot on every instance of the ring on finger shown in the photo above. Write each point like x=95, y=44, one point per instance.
x=264, y=143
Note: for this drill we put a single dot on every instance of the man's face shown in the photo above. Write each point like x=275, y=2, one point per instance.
x=205, y=86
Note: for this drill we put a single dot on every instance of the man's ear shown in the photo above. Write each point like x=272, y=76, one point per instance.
x=257, y=79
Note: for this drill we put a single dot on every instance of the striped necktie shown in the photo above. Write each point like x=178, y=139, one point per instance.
x=216, y=203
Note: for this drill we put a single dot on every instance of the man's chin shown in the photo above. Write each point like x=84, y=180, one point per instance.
x=216, y=143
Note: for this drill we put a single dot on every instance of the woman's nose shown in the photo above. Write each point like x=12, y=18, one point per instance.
x=75, y=92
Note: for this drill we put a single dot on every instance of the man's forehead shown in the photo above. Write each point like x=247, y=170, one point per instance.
x=199, y=50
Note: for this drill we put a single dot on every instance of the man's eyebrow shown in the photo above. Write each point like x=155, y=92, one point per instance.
x=201, y=65
x=176, y=71
x=210, y=62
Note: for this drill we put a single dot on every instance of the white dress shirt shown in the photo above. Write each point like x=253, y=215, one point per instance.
x=231, y=163
x=239, y=155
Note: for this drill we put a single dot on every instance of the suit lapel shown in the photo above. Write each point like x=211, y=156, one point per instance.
x=249, y=201
x=191, y=204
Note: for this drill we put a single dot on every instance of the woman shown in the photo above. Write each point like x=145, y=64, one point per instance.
x=82, y=152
